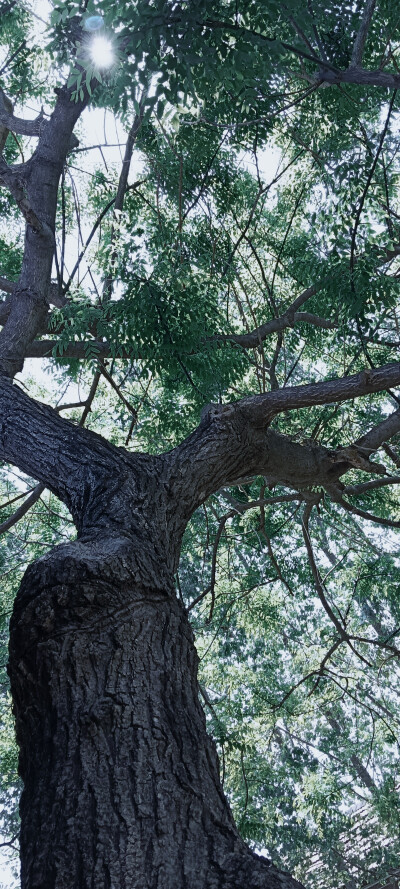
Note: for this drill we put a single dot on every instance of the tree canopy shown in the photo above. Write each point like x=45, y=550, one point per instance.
x=242, y=255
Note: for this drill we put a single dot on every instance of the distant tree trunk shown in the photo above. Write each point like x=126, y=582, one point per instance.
x=121, y=781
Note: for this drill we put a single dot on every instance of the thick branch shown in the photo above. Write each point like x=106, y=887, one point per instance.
x=359, y=76
x=55, y=298
x=261, y=408
x=46, y=349
x=37, y=196
x=6, y=286
x=17, y=124
x=232, y=441
x=67, y=459
x=13, y=179
x=364, y=487
x=289, y=319
x=226, y=447
x=4, y=311
x=376, y=436
x=359, y=43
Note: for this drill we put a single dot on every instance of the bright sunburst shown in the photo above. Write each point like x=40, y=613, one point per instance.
x=101, y=52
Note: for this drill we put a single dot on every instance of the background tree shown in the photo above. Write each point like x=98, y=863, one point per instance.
x=266, y=307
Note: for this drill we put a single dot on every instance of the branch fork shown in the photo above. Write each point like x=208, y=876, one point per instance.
x=18, y=124
x=14, y=179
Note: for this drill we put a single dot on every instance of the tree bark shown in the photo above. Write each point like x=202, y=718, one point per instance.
x=121, y=781
x=34, y=185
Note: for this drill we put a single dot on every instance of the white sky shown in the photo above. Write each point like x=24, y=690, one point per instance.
x=7, y=877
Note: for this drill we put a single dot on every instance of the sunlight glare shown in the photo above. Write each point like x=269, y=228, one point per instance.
x=101, y=52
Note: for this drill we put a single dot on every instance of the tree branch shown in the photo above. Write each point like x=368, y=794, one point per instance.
x=17, y=124
x=362, y=34
x=367, y=185
x=253, y=339
x=379, y=434
x=220, y=530
x=359, y=76
x=117, y=389
x=13, y=179
x=318, y=673
x=90, y=237
x=22, y=510
x=262, y=408
x=6, y=286
x=123, y=186
x=102, y=349
x=363, y=514
x=319, y=587
x=372, y=486
x=327, y=73
x=232, y=441
x=69, y=460
x=55, y=298
x=38, y=200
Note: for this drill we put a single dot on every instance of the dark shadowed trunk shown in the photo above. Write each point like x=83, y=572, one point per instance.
x=121, y=782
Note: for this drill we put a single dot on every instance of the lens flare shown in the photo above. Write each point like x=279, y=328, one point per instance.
x=93, y=23
x=101, y=52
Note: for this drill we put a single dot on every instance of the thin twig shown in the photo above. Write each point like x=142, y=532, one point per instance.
x=218, y=536
x=89, y=400
x=117, y=389
x=19, y=513
x=387, y=523
x=319, y=588
x=368, y=183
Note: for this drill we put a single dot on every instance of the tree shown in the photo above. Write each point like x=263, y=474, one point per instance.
x=121, y=780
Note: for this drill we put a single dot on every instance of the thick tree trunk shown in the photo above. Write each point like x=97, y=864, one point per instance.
x=121, y=782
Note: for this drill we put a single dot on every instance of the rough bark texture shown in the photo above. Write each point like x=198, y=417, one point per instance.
x=34, y=185
x=121, y=782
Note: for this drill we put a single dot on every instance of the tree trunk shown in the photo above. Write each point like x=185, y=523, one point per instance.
x=121, y=782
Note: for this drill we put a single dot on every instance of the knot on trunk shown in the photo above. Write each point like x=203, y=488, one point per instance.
x=216, y=412
x=87, y=580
